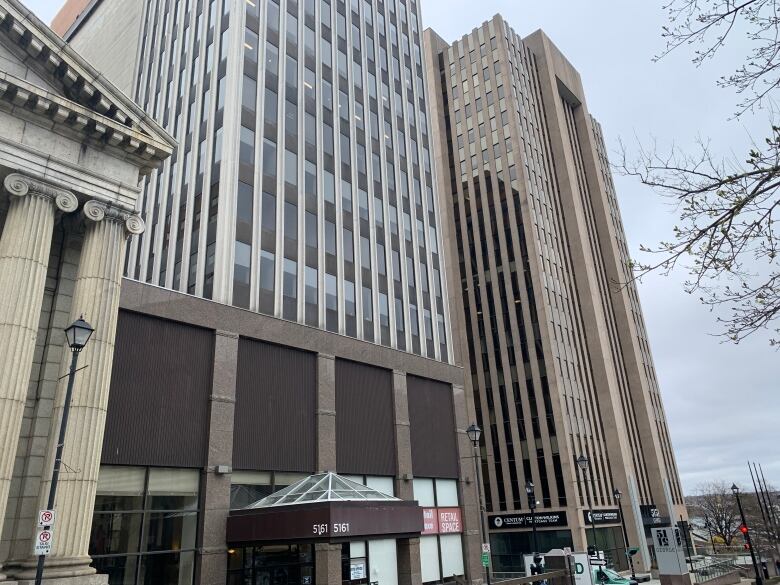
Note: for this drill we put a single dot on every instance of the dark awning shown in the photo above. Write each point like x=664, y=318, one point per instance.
x=324, y=507
x=325, y=521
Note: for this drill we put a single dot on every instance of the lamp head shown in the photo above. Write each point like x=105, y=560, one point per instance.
x=582, y=462
x=474, y=433
x=78, y=334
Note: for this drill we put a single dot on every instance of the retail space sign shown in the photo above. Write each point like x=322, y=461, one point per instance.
x=44, y=539
x=582, y=572
x=601, y=517
x=669, y=551
x=504, y=521
x=450, y=521
x=442, y=521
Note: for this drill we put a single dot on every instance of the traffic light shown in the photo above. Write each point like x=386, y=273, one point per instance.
x=743, y=529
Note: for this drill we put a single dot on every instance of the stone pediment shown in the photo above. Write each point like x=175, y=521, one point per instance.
x=62, y=91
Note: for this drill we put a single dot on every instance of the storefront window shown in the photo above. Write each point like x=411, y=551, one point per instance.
x=271, y=564
x=145, y=525
x=248, y=487
x=441, y=554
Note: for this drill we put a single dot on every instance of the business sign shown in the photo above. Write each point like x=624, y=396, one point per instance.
x=44, y=539
x=669, y=551
x=582, y=572
x=357, y=569
x=651, y=515
x=442, y=521
x=601, y=517
x=544, y=519
x=430, y=521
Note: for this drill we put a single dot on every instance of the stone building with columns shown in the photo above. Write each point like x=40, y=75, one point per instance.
x=72, y=152
x=186, y=409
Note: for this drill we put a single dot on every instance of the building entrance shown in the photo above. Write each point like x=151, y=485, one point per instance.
x=274, y=564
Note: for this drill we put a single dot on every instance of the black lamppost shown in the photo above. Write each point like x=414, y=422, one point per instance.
x=78, y=335
x=529, y=490
x=582, y=463
x=474, y=433
x=759, y=580
x=618, y=495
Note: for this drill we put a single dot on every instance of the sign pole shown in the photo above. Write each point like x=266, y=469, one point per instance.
x=482, y=529
x=55, y=476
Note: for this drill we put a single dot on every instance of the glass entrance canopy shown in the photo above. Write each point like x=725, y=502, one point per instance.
x=322, y=487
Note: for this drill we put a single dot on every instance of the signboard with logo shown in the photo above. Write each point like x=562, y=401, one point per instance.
x=504, y=521
x=582, y=572
x=651, y=515
x=601, y=517
x=669, y=551
x=442, y=521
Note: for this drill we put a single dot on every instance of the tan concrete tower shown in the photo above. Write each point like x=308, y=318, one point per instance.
x=555, y=351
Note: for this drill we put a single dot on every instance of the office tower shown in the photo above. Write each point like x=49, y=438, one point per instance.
x=555, y=349
x=302, y=186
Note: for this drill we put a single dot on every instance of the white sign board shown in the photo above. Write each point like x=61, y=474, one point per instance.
x=669, y=551
x=43, y=542
x=485, y=547
x=357, y=570
x=582, y=572
x=46, y=518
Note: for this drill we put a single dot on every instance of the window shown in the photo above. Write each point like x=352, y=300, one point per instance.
x=247, y=151
x=145, y=523
x=269, y=158
x=266, y=270
x=249, y=94
x=330, y=237
x=251, y=41
x=289, y=278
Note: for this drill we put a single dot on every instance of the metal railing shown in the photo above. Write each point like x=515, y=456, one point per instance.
x=707, y=570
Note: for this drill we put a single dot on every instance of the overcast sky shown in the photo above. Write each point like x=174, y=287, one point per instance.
x=722, y=401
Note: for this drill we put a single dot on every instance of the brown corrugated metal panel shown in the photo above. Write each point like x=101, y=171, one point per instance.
x=158, y=406
x=276, y=393
x=365, y=437
x=433, y=434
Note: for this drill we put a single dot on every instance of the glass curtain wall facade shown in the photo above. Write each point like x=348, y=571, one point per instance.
x=302, y=186
x=558, y=360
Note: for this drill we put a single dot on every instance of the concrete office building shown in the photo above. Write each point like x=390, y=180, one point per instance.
x=556, y=354
x=283, y=316
x=302, y=186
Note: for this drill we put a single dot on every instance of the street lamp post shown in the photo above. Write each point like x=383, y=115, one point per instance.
x=77, y=335
x=759, y=579
x=582, y=463
x=529, y=490
x=618, y=495
x=474, y=433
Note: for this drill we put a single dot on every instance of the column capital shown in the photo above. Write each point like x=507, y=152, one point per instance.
x=96, y=211
x=20, y=185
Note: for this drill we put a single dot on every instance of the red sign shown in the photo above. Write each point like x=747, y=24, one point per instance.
x=441, y=521
x=430, y=521
x=450, y=521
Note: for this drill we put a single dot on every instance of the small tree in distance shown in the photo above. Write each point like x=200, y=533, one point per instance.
x=714, y=510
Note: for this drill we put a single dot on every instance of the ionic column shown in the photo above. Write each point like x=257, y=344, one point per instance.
x=25, y=246
x=96, y=297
